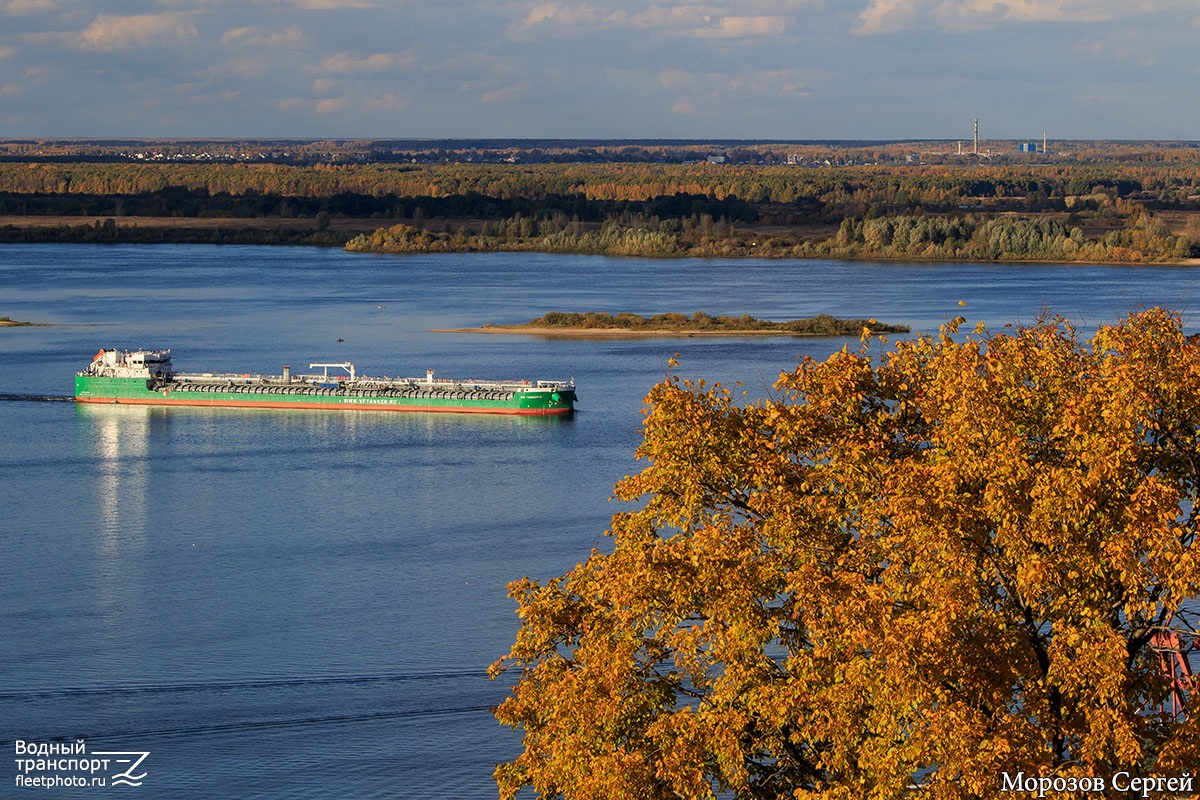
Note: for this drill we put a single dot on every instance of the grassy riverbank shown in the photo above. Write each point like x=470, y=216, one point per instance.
x=1008, y=238
x=971, y=237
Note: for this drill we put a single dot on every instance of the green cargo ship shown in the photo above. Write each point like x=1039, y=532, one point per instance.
x=146, y=377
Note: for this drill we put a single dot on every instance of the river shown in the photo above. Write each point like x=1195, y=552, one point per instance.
x=283, y=604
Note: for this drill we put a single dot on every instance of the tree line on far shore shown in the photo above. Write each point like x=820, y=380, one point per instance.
x=1130, y=212
x=776, y=192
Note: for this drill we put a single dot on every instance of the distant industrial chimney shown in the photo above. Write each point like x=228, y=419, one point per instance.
x=976, y=150
x=1043, y=141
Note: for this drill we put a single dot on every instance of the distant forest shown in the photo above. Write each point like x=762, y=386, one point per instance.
x=1140, y=204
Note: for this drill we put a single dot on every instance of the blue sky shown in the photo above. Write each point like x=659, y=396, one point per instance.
x=755, y=69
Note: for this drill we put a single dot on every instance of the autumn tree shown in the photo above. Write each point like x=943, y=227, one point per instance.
x=914, y=569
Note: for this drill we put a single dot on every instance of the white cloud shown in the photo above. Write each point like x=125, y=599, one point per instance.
x=571, y=16
x=741, y=27
x=376, y=103
x=255, y=66
x=887, y=16
x=20, y=8
x=982, y=13
x=41, y=74
x=386, y=102
x=674, y=78
x=332, y=105
x=884, y=16
x=330, y=5
x=6, y=52
x=506, y=94
x=541, y=13
x=700, y=21
x=109, y=33
x=688, y=92
x=290, y=37
x=346, y=63
x=789, y=82
x=353, y=102
x=213, y=98
x=1119, y=48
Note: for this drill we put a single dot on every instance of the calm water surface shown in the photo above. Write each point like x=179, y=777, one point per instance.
x=296, y=605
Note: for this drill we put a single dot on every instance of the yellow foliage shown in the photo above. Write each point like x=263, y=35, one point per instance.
x=929, y=566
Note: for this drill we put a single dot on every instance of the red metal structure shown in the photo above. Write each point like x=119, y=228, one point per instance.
x=1173, y=660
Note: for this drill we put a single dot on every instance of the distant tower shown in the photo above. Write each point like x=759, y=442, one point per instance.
x=976, y=150
x=1043, y=141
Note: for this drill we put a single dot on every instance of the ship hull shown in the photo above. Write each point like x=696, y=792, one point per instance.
x=134, y=391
